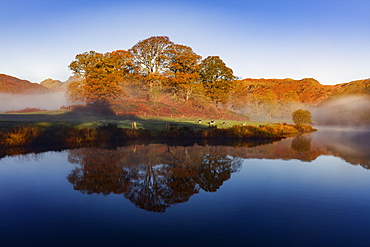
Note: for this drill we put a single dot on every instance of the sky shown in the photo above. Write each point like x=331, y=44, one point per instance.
x=328, y=40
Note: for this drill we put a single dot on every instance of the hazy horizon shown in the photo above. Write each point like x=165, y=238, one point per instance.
x=43, y=101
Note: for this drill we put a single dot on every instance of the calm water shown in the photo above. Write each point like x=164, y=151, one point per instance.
x=307, y=191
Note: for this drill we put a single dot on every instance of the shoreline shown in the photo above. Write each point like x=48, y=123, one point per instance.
x=30, y=134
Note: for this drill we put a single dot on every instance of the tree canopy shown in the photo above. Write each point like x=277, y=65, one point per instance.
x=183, y=74
x=216, y=78
x=301, y=117
x=153, y=63
x=101, y=78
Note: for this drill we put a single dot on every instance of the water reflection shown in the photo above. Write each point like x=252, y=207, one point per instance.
x=156, y=176
x=153, y=177
x=301, y=143
x=350, y=144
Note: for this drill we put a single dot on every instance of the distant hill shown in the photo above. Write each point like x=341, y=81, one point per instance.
x=359, y=87
x=277, y=98
x=13, y=85
x=307, y=91
x=52, y=84
x=348, y=105
x=10, y=84
x=56, y=85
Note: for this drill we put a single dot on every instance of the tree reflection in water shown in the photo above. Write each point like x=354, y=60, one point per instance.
x=153, y=177
x=301, y=143
x=156, y=176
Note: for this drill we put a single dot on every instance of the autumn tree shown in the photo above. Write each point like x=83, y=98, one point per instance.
x=151, y=56
x=123, y=63
x=301, y=117
x=216, y=78
x=158, y=64
x=183, y=70
x=101, y=78
x=75, y=91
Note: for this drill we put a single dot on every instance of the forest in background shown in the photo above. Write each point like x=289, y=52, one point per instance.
x=159, y=78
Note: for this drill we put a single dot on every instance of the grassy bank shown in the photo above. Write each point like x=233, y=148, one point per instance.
x=94, y=120
x=61, y=134
x=72, y=128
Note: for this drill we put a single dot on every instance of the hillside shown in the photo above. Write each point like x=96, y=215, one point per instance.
x=277, y=98
x=13, y=85
x=354, y=87
x=349, y=105
x=10, y=84
x=307, y=91
x=56, y=85
x=258, y=99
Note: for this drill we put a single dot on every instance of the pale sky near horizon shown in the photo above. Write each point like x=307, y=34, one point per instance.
x=328, y=40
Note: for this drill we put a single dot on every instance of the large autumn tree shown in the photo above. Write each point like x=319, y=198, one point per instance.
x=216, y=78
x=101, y=77
x=151, y=57
x=164, y=64
x=183, y=72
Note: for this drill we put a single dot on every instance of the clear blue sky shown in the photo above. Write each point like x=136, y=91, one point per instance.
x=328, y=40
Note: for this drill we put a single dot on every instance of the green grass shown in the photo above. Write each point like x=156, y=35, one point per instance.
x=72, y=128
x=93, y=120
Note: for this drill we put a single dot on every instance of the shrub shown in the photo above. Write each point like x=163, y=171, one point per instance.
x=300, y=117
x=21, y=135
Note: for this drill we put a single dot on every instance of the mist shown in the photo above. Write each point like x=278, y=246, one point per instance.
x=46, y=101
x=352, y=110
x=350, y=143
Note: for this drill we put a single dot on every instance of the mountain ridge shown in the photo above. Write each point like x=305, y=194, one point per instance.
x=12, y=85
x=57, y=85
x=308, y=90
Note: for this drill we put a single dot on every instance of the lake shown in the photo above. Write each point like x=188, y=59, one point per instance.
x=311, y=190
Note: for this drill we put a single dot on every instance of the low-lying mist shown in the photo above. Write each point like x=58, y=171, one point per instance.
x=352, y=110
x=47, y=101
x=350, y=143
